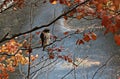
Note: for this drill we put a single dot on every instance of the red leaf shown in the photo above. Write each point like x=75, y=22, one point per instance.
x=117, y=39
x=81, y=42
x=44, y=1
x=112, y=29
x=106, y=21
x=77, y=31
x=93, y=36
x=65, y=17
x=54, y=37
x=59, y=56
x=117, y=19
x=86, y=38
x=65, y=33
x=59, y=50
x=116, y=3
x=51, y=56
x=106, y=31
x=69, y=60
x=65, y=58
x=61, y=1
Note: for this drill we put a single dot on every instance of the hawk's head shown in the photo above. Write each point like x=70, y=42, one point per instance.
x=46, y=30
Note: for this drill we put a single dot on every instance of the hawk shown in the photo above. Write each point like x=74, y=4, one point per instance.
x=45, y=37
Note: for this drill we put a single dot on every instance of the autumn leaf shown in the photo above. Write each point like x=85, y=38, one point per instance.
x=65, y=17
x=79, y=42
x=93, y=36
x=86, y=38
x=51, y=56
x=117, y=19
x=53, y=1
x=44, y=1
x=76, y=1
x=106, y=31
x=66, y=33
x=69, y=60
x=79, y=17
x=32, y=57
x=65, y=58
x=54, y=37
x=106, y=21
x=116, y=3
x=61, y=1
x=99, y=7
x=117, y=39
x=77, y=31
x=59, y=50
x=10, y=68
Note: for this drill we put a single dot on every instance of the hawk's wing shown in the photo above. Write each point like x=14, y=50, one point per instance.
x=42, y=38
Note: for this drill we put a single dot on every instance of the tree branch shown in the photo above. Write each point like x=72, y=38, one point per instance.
x=36, y=28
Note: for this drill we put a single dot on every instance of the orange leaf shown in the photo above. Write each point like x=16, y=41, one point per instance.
x=93, y=36
x=86, y=38
x=116, y=3
x=99, y=7
x=117, y=39
x=79, y=17
x=81, y=42
x=53, y=1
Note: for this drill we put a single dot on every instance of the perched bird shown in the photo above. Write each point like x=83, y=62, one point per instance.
x=45, y=37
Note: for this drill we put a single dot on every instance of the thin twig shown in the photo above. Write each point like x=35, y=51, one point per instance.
x=43, y=67
x=73, y=68
x=102, y=66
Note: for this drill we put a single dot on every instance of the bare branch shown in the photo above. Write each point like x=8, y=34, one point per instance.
x=43, y=67
x=102, y=66
x=36, y=28
x=73, y=69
